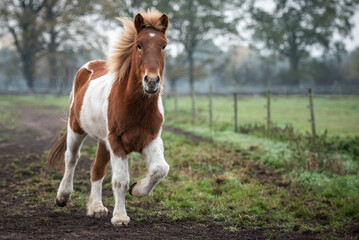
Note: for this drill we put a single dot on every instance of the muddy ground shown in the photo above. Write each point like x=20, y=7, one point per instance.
x=22, y=219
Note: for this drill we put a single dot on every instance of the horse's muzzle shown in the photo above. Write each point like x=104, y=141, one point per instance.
x=151, y=84
x=151, y=91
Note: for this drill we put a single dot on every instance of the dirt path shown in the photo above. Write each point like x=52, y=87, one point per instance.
x=22, y=219
x=35, y=130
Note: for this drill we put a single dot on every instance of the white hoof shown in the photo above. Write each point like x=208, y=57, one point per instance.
x=62, y=199
x=97, y=210
x=120, y=219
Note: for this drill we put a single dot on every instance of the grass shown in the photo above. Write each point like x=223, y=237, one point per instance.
x=214, y=182
x=339, y=116
x=312, y=169
x=7, y=101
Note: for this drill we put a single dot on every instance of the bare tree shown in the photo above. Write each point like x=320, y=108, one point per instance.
x=21, y=19
x=295, y=26
x=51, y=29
x=63, y=20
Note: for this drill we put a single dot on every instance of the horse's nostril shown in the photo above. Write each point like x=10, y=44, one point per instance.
x=158, y=79
x=146, y=79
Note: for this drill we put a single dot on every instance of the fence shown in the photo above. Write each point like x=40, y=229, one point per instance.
x=172, y=102
x=336, y=89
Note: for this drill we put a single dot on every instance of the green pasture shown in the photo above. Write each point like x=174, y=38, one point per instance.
x=338, y=115
x=11, y=101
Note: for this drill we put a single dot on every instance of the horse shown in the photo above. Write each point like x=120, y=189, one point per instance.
x=118, y=103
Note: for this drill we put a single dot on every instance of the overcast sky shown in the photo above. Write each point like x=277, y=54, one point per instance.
x=354, y=41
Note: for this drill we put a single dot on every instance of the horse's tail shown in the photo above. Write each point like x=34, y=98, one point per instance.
x=57, y=151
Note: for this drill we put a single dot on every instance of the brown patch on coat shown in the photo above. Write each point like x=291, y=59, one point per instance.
x=98, y=166
x=83, y=77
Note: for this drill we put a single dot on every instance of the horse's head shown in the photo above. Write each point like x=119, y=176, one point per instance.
x=149, y=52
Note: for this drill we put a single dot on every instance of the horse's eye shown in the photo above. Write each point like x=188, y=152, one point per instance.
x=139, y=47
x=164, y=46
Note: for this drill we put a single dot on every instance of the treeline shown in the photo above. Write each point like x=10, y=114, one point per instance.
x=338, y=68
x=45, y=41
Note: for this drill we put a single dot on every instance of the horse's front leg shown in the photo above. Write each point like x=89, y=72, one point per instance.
x=120, y=181
x=157, y=169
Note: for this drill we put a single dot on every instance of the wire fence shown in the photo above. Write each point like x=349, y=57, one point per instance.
x=231, y=111
x=336, y=89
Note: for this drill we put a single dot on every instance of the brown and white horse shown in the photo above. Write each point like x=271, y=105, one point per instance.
x=118, y=103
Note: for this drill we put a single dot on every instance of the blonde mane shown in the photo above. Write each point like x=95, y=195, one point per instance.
x=119, y=61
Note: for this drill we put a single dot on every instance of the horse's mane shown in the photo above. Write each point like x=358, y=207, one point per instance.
x=119, y=61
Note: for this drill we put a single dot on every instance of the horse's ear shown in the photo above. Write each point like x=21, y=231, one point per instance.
x=164, y=22
x=139, y=22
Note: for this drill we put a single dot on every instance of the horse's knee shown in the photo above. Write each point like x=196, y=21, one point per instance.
x=161, y=171
x=74, y=142
x=71, y=157
x=120, y=183
x=145, y=186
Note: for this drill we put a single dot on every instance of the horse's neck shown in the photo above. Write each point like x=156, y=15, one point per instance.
x=134, y=96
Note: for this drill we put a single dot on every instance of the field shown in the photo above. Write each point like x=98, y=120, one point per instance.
x=337, y=115
x=221, y=184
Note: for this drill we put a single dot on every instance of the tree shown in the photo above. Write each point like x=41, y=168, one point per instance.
x=20, y=19
x=51, y=29
x=175, y=66
x=295, y=26
x=9, y=68
x=174, y=69
x=63, y=23
x=352, y=70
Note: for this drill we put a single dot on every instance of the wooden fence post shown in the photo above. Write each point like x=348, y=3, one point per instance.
x=311, y=107
x=268, y=110
x=175, y=101
x=235, y=113
x=210, y=108
x=193, y=106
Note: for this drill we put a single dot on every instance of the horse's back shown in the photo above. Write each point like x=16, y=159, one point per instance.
x=93, y=70
x=89, y=71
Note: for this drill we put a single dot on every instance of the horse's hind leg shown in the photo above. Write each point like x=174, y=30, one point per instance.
x=95, y=206
x=72, y=154
x=157, y=169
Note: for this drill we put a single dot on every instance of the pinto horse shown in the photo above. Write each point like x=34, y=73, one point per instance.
x=118, y=103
